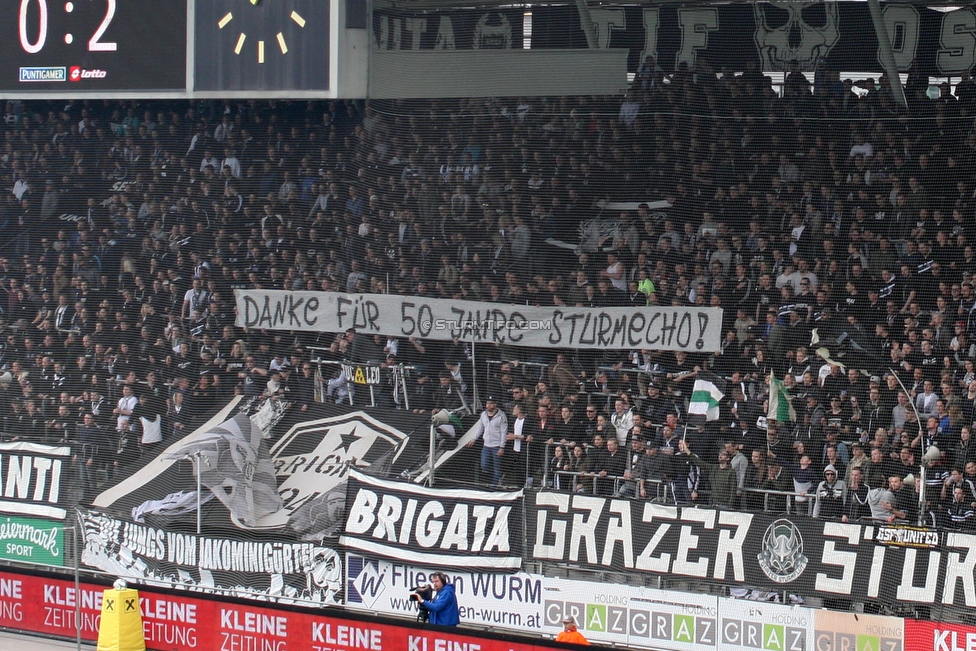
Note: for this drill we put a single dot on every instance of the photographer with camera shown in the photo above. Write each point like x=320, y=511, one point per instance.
x=443, y=607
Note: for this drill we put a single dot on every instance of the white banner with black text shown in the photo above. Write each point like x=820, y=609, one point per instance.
x=692, y=329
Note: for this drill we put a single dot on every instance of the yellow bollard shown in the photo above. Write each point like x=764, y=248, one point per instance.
x=120, y=628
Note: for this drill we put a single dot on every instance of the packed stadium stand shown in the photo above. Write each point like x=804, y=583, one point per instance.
x=811, y=209
x=830, y=431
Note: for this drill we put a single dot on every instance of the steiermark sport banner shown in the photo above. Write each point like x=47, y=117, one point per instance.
x=30, y=540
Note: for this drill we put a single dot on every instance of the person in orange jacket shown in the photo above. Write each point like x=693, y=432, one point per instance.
x=570, y=634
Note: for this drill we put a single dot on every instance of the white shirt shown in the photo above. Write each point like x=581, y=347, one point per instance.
x=795, y=235
x=339, y=388
x=152, y=430
x=517, y=430
x=197, y=298
x=622, y=423
x=866, y=150
x=20, y=189
x=233, y=165
x=619, y=283
x=126, y=403
x=222, y=131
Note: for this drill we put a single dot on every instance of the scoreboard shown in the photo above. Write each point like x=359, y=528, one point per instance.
x=171, y=48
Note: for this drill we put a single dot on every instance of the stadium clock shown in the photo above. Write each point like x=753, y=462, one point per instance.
x=262, y=45
x=67, y=46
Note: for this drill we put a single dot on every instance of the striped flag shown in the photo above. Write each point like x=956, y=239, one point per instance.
x=780, y=408
x=709, y=390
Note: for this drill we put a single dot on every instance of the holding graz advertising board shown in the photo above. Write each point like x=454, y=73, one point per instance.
x=185, y=621
x=631, y=616
x=604, y=612
x=691, y=329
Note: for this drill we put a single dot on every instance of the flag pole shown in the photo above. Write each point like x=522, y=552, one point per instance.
x=922, y=468
x=918, y=417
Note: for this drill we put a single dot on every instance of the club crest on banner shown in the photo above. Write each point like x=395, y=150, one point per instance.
x=311, y=462
x=781, y=558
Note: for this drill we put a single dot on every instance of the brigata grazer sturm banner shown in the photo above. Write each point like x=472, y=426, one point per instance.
x=690, y=329
x=758, y=550
x=442, y=527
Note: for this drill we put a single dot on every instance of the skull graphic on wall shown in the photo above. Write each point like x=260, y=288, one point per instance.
x=801, y=31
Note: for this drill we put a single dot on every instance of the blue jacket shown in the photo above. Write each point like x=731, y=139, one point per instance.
x=444, y=609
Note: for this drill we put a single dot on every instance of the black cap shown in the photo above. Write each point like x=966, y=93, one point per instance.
x=490, y=399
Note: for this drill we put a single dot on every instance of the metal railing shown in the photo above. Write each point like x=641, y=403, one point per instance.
x=395, y=378
x=804, y=507
x=767, y=492
x=577, y=481
x=530, y=371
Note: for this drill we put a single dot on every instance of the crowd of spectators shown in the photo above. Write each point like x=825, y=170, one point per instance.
x=803, y=212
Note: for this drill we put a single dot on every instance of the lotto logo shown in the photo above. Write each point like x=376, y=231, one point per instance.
x=76, y=73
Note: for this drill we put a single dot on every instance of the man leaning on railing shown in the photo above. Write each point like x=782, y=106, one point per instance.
x=905, y=503
x=641, y=477
x=780, y=485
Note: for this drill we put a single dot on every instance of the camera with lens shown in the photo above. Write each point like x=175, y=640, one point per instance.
x=426, y=592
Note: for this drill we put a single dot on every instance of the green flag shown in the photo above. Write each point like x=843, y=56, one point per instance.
x=780, y=408
x=709, y=390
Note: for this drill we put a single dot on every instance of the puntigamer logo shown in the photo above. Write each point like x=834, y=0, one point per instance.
x=41, y=74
